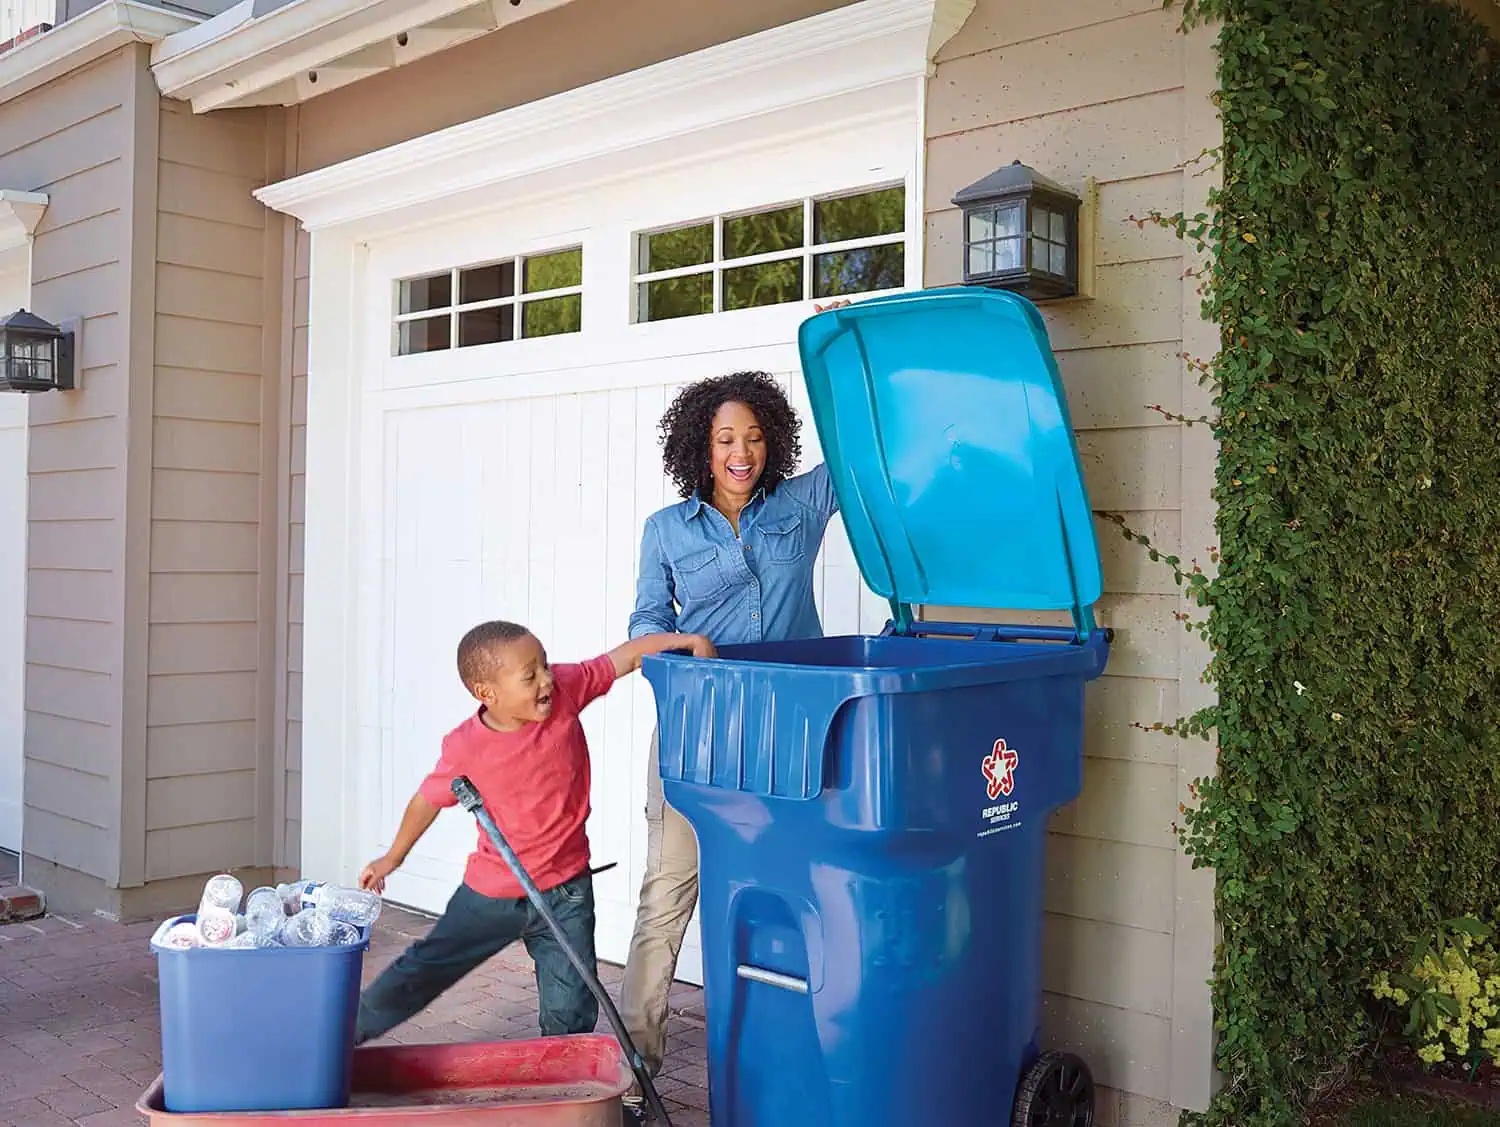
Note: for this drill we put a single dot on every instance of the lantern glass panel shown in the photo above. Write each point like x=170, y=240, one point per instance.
x=41, y=370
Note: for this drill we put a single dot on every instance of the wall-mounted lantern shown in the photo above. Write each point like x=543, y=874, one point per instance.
x=1021, y=233
x=35, y=355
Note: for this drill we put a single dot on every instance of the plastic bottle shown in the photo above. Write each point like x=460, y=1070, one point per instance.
x=351, y=905
x=222, y=891
x=343, y=934
x=292, y=894
x=216, y=926
x=181, y=937
x=311, y=927
x=217, y=906
x=264, y=912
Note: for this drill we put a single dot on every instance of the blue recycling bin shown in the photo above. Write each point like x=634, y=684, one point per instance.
x=871, y=811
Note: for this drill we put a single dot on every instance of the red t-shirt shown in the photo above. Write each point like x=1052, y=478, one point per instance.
x=535, y=784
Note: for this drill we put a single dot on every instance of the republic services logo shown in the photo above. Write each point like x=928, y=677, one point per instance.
x=1000, y=770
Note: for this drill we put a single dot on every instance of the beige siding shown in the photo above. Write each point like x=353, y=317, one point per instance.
x=72, y=140
x=210, y=762
x=481, y=77
x=1108, y=90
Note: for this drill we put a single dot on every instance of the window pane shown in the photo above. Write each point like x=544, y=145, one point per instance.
x=1058, y=257
x=1039, y=219
x=432, y=292
x=671, y=250
x=41, y=370
x=1008, y=254
x=486, y=283
x=430, y=334
x=859, y=271
x=554, y=271
x=552, y=315
x=677, y=297
x=769, y=283
x=981, y=258
x=860, y=217
x=487, y=326
x=763, y=233
x=1059, y=228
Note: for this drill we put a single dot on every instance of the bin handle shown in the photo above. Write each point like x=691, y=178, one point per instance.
x=986, y=632
x=771, y=978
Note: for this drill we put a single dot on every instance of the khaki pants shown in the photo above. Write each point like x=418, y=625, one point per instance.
x=669, y=893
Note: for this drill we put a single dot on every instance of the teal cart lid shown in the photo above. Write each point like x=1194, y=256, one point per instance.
x=946, y=432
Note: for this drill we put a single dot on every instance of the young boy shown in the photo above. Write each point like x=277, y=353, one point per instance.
x=525, y=751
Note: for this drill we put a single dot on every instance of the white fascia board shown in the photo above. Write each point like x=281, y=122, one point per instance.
x=875, y=43
x=238, y=58
x=82, y=40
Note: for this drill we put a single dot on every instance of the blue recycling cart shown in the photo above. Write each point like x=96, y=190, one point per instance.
x=871, y=811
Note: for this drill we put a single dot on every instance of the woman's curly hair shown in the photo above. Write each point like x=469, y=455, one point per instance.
x=685, y=429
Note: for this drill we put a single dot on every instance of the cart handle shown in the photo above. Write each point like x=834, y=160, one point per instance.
x=987, y=632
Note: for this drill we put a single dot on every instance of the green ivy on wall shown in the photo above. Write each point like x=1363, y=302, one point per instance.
x=1355, y=614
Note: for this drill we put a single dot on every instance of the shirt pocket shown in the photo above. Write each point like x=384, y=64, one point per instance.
x=783, y=540
x=699, y=578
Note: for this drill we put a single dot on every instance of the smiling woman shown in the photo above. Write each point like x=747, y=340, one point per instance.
x=733, y=561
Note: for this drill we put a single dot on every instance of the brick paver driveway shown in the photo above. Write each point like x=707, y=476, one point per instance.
x=80, y=1037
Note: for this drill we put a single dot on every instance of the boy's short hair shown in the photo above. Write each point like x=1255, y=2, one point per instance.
x=476, y=650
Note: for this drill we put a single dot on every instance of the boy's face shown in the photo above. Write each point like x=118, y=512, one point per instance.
x=518, y=687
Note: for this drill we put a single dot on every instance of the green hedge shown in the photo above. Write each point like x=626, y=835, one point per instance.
x=1355, y=617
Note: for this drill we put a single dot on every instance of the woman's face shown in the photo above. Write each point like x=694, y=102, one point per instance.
x=736, y=451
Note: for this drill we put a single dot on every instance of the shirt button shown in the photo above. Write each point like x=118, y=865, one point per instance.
x=754, y=614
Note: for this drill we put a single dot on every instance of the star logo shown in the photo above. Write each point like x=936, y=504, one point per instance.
x=1000, y=770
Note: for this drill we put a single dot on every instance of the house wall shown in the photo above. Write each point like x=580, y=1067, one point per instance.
x=210, y=761
x=1109, y=90
x=150, y=656
x=74, y=139
x=478, y=78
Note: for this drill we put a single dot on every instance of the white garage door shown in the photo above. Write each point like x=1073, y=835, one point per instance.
x=517, y=365
x=13, y=295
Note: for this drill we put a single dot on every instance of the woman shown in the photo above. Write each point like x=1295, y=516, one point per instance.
x=732, y=561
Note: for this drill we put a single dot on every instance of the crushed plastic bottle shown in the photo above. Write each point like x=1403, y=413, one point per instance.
x=311, y=927
x=343, y=934
x=181, y=937
x=264, y=912
x=216, y=926
x=292, y=895
x=350, y=905
x=222, y=891
x=216, y=910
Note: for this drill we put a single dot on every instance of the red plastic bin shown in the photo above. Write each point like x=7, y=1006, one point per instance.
x=546, y=1082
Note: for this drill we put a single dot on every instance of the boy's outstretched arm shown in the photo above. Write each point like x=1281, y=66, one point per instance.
x=627, y=658
x=420, y=814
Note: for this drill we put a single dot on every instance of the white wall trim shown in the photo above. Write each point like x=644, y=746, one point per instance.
x=20, y=212
x=81, y=41
x=858, y=48
x=238, y=58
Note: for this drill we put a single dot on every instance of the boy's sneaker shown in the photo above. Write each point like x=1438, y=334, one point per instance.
x=633, y=1105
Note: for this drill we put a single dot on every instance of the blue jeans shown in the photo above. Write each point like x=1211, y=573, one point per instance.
x=474, y=927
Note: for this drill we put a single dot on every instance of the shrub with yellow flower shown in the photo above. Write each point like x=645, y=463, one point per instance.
x=1450, y=992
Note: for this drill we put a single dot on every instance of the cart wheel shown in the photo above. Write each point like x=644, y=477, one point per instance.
x=1056, y=1091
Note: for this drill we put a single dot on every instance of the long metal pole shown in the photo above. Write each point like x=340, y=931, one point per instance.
x=470, y=799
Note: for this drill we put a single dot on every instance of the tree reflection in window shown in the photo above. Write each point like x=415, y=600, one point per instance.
x=822, y=247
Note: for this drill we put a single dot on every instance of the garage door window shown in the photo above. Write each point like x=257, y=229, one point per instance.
x=820, y=247
x=537, y=295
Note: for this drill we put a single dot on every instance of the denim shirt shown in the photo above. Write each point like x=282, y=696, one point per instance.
x=698, y=578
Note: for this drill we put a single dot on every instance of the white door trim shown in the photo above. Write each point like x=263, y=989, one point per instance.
x=749, y=115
